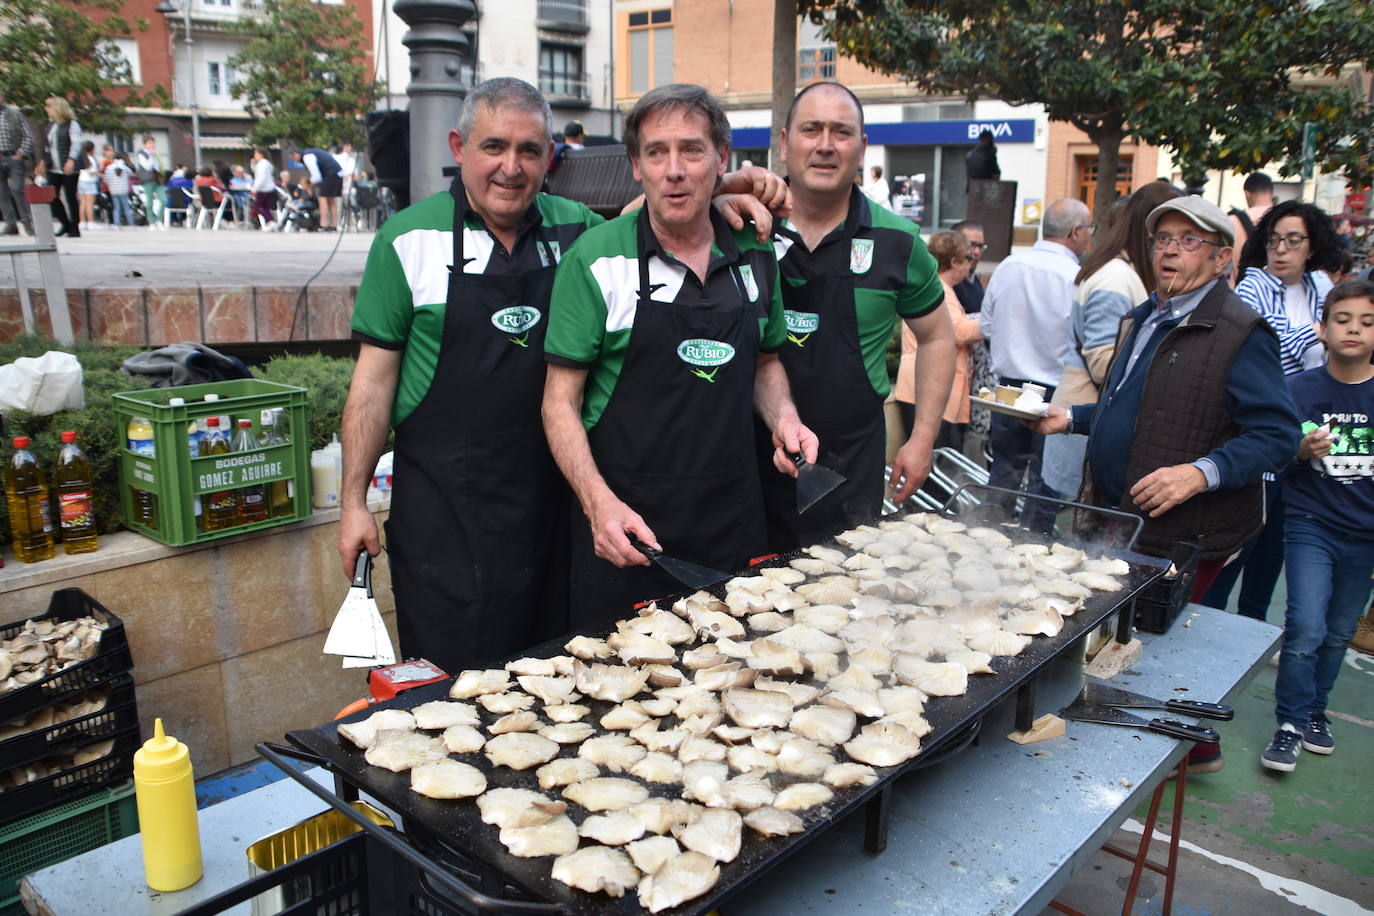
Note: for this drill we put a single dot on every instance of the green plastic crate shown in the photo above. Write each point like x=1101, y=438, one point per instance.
x=60, y=833
x=176, y=477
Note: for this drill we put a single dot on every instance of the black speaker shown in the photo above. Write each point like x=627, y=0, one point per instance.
x=388, y=148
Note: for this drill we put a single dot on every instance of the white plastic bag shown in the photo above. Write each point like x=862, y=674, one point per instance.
x=42, y=385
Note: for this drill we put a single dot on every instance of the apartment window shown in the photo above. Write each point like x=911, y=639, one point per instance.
x=815, y=64
x=651, y=49
x=126, y=48
x=221, y=78
x=560, y=71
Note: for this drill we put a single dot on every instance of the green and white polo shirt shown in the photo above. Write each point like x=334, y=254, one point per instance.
x=401, y=300
x=596, y=296
x=893, y=275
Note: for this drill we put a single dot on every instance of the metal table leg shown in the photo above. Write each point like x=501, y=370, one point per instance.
x=1025, y=705
x=875, y=820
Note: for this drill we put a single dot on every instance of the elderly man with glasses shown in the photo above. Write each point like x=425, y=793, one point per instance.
x=1194, y=409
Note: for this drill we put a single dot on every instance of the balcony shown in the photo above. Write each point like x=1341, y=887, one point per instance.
x=566, y=88
x=181, y=96
x=563, y=16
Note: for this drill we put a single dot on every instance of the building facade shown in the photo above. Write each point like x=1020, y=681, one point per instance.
x=561, y=46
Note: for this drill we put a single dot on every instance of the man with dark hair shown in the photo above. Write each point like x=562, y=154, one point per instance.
x=981, y=161
x=970, y=289
x=661, y=345
x=1259, y=197
x=16, y=146
x=851, y=270
x=574, y=135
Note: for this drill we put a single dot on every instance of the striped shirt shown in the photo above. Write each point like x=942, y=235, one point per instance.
x=1267, y=294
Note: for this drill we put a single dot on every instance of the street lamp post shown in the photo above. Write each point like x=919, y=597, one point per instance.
x=166, y=8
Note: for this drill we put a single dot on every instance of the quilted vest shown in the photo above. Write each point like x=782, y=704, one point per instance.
x=1183, y=415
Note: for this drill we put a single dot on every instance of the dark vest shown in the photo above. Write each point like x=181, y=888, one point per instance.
x=1184, y=415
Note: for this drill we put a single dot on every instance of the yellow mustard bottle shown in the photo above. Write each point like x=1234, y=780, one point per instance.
x=166, y=791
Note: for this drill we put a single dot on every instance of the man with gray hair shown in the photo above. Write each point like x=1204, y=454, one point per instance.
x=1025, y=318
x=662, y=343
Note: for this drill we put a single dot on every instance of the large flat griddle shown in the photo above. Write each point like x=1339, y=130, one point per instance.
x=453, y=834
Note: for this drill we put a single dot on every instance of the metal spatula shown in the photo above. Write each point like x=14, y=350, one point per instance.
x=1109, y=715
x=689, y=574
x=814, y=482
x=1105, y=695
x=358, y=633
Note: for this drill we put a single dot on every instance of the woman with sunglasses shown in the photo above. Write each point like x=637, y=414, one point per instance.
x=1283, y=277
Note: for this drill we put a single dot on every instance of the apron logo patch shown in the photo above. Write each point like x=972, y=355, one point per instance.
x=860, y=255
x=751, y=286
x=516, y=321
x=705, y=354
x=555, y=250
x=800, y=325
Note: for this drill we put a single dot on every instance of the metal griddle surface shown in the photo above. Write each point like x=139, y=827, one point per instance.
x=458, y=824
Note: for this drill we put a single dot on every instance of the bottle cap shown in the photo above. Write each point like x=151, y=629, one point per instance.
x=161, y=756
x=176, y=402
x=212, y=422
x=268, y=417
x=68, y=435
x=212, y=397
x=21, y=441
x=245, y=423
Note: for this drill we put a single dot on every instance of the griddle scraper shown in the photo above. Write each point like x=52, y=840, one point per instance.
x=814, y=482
x=358, y=632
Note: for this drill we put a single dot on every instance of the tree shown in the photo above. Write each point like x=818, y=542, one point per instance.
x=1213, y=81
x=64, y=49
x=303, y=74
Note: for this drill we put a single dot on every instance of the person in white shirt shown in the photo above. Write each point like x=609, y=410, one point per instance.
x=877, y=190
x=264, y=188
x=1025, y=318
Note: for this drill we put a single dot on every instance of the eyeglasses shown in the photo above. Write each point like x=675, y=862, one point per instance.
x=972, y=259
x=1291, y=240
x=1091, y=227
x=978, y=246
x=1162, y=242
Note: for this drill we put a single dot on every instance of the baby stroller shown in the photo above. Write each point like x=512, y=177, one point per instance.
x=302, y=214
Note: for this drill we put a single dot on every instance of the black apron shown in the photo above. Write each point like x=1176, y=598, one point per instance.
x=476, y=534
x=836, y=401
x=674, y=445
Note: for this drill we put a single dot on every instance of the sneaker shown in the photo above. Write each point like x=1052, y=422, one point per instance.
x=1317, y=738
x=1282, y=752
x=1364, y=635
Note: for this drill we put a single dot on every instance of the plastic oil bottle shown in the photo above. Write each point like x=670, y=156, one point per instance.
x=220, y=509
x=192, y=449
x=251, y=500
x=75, y=506
x=26, y=491
x=165, y=788
x=280, y=493
x=140, y=433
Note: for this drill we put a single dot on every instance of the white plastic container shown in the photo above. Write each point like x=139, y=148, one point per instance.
x=324, y=482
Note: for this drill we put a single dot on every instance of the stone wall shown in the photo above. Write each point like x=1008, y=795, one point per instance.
x=226, y=637
x=153, y=316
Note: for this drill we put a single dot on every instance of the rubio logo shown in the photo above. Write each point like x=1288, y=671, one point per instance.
x=516, y=321
x=800, y=325
x=705, y=354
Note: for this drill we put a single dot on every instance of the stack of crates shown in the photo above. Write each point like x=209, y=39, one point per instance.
x=67, y=745
x=178, y=480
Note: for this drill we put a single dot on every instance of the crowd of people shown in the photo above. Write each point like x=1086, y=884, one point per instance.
x=571, y=394
x=117, y=190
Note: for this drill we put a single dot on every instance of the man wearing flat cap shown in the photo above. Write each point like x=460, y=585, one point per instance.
x=1194, y=410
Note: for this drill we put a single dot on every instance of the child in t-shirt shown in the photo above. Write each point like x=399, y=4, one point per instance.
x=1329, y=538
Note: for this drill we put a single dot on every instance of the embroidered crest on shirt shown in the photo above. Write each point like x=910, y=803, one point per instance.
x=860, y=255
x=751, y=286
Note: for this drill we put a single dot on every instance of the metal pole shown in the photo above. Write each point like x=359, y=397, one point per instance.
x=191, y=77
x=438, y=48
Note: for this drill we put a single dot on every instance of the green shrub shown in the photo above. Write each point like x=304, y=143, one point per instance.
x=325, y=378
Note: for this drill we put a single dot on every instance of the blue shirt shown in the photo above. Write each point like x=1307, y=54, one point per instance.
x=1337, y=490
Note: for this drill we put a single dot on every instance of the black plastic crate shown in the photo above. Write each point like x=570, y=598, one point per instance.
x=119, y=713
x=1158, y=606
x=42, y=794
x=111, y=659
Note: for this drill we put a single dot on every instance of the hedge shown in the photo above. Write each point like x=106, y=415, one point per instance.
x=326, y=379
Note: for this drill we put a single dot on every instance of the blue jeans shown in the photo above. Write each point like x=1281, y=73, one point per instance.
x=123, y=210
x=1328, y=588
x=1016, y=454
x=1260, y=563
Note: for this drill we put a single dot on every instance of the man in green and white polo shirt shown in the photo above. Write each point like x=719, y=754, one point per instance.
x=662, y=342
x=850, y=271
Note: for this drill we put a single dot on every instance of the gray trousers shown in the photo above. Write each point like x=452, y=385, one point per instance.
x=13, y=206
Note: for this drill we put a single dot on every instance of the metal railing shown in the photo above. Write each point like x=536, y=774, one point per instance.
x=565, y=85
x=181, y=95
x=574, y=11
